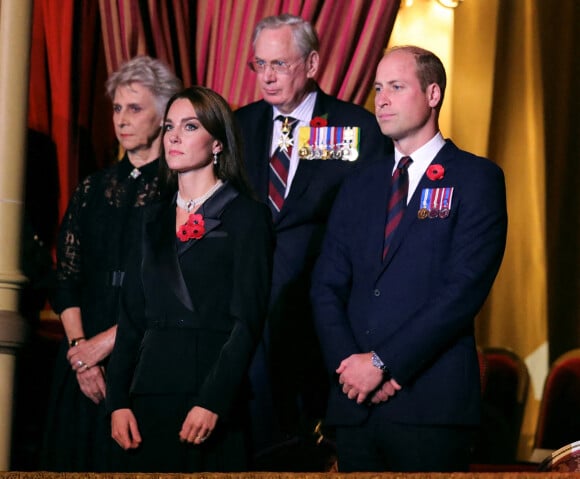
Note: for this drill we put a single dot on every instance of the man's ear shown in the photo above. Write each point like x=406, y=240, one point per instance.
x=312, y=64
x=434, y=95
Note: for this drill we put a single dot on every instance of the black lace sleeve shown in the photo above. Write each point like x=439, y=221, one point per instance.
x=68, y=254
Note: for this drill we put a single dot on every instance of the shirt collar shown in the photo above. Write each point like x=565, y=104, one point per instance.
x=423, y=156
x=303, y=112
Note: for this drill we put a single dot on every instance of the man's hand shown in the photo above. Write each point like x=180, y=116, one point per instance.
x=386, y=391
x=124, y=429
x=358, y=376
x=198, y=425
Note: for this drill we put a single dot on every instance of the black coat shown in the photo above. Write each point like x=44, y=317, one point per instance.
x=192, y=312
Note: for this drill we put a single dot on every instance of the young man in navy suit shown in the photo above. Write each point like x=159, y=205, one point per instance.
x=286, y=61
x=412, y=248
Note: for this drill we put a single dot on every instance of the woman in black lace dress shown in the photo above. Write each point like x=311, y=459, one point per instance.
x=96, y=234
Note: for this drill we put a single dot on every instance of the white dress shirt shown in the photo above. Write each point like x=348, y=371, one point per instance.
x=303, y=113
x=422, y=158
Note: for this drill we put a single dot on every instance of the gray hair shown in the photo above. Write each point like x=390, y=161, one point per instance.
x=304, y=34
x=150, y=73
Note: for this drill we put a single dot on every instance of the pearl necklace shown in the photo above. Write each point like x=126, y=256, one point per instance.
x=189, y=205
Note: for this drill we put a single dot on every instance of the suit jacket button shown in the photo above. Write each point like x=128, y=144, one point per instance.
x=377, y=292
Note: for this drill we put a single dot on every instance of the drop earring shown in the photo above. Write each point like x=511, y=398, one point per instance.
x=215, y=158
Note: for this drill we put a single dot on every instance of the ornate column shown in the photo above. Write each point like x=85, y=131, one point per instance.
x=15, y=24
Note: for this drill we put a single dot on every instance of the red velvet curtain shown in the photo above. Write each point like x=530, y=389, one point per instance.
x=353, y=35
x=50, y=105
x=76, y=43
x=66, y=93
x=160, y=28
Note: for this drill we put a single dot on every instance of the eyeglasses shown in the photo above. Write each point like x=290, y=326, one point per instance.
x=279, y=66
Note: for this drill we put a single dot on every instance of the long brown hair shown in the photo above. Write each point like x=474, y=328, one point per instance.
x=216, y=116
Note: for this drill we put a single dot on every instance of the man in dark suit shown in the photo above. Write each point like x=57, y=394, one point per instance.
x=286, y=60
x=395, y=294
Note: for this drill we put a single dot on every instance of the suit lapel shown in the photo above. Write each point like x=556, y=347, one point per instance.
x=410, y=216
x=211, y=211
x=303, y=176
x=161, y=237
x=260, y=158
x=167, y=250
x=379, y=210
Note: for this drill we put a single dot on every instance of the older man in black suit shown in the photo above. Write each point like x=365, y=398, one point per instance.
x=298, y=148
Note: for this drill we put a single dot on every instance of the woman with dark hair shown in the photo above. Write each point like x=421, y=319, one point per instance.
x=97, y=231
x=193, y=303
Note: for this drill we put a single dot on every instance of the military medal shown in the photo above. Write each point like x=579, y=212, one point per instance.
x=324, y=134
x=304, y=153
x=446, y=208
x=435, y=203
x=424, y=211
x=285, y=141
x=328, y=143
x=433, y=207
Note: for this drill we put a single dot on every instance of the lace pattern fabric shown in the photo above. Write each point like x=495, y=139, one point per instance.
x=96, y=235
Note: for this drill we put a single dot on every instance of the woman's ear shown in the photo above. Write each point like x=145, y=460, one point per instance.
x=217, y=147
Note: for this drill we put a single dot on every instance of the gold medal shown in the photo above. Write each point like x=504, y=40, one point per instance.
x=304, y=153
x=422, y=213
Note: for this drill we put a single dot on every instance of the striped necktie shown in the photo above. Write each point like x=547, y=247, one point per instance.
x=397, y=200
x=280, y=165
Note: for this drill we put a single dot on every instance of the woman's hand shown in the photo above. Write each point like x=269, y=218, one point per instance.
x=124, y=429
x=90, y=352
x=92, y=383
x=198, y=425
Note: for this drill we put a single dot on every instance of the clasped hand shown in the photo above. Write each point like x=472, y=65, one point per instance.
x=359, y=378
x=82, y=358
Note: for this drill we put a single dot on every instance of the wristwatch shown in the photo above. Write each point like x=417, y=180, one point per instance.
x=378, y=363
x=75, y=341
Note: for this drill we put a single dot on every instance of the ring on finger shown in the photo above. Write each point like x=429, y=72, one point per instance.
x=80, y=364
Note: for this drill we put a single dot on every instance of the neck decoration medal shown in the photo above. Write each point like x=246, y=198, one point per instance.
x=285, y=141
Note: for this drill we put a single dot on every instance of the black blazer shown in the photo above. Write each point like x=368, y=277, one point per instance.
x=192, y=312
x=416, y=308
x=302, y=221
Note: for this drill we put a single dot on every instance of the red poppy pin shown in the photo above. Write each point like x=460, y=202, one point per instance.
x=319, y=121
x=435, y=172
x=193, y=228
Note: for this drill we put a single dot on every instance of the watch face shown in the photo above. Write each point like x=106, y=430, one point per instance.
x=377, y=363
